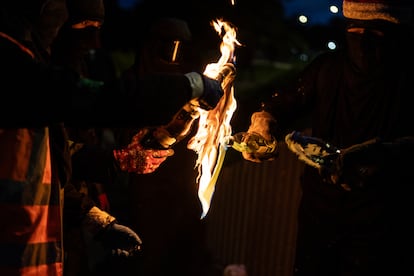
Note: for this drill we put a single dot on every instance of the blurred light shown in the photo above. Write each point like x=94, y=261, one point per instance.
x=304, y=57
x=331, y=45
x=303, y=19
x=334, y=9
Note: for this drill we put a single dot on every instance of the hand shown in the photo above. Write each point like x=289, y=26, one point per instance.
x=135, y=158
x=228, y=70
x=208, y=91
x=262, y=123
x=212, y=88
x=106, y=239
x=122, y=240
x=212, y=93
x=259, y=157
x=358, y=166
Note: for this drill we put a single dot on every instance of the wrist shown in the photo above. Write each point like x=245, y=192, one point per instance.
x=196, y=83
x=262, y=123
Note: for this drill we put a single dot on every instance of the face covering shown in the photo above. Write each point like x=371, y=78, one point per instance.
x=369, y=44
x=52, y=17
x=85, y=39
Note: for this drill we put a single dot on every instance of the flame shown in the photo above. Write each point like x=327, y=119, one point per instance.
x=214, y=124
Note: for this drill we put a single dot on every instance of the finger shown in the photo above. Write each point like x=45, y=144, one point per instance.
x=151, y=166
x=140, y=134
x=149, y=169
x=162, y=153
x=251, y=157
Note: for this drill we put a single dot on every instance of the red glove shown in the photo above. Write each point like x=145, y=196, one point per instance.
x=103, y=202
x=135, y=158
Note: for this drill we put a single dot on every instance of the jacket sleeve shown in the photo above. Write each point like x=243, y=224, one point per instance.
x=51, y=94
x=76, y=206
x=89, y=163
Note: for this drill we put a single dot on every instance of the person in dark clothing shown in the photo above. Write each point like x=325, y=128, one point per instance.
x=76, y=43
x=35, y=163
x=166, y=210
x=353, y=220
x=77, y=40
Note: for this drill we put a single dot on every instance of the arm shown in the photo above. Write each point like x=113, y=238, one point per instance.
x=286, y=109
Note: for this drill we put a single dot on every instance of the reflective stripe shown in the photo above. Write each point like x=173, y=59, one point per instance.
x=30, y=269
x=30, y=210
x=29, y=224
x=21, y=46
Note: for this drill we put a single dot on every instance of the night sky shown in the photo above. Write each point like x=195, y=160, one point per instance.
x=269, y=27
x=317, y=11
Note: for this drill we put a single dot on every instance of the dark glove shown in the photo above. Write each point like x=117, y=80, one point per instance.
x=350, y=168
x=102, y=227
x=212, y=93
x=122, y=240
x=359, y=165
x=208, y=91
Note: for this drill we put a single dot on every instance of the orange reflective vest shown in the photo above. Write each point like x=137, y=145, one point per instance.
x=30, y=205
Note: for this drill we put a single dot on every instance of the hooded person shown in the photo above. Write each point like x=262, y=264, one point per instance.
x=36, y=23
x=175, y=243
x=31, y=196
x=78, y=46
x=373, y=27
x=79, y=35
x=355, y=99
x=165, y=47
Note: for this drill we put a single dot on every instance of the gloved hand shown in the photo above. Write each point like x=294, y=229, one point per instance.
x=208, y=91
x=122, y=240
x=261, y=123
x=228, y=70
x=359, y=165
x=119, y=239
x=137, y=159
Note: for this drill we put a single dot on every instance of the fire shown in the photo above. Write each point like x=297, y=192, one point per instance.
x=214, y=125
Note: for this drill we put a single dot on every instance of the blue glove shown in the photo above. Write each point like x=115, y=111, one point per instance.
x=122, y=240
x=207, y=91
x=212, y=93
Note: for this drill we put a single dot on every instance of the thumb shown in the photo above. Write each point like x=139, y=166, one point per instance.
x=162, y=153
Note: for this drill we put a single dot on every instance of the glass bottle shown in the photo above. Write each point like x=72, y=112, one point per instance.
x=164, y=137
x=251, y=143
